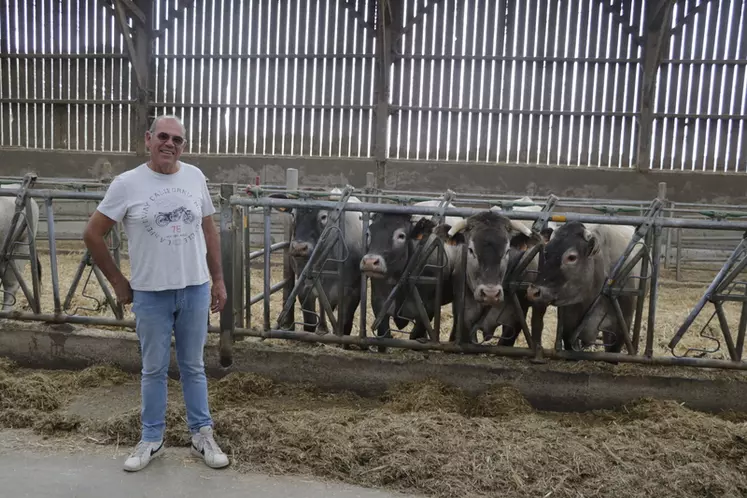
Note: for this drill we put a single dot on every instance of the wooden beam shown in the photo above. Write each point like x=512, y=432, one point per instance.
x=124, y=29
x=656, y=17
x=382, y=91
x=359, y=15
x=134, y=9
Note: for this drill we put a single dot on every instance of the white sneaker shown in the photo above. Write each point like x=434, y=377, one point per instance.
x=142, y=455
x=205, y=447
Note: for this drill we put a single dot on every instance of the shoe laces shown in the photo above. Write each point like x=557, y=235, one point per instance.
x=141, y=449
x=209, y=443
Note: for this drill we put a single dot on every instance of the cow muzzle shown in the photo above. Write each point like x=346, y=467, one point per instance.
x=538, y=295
x=373, y=266
x=300, y=249
x=490, y=295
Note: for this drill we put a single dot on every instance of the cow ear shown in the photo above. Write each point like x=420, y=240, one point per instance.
x=423, y=228
x=592, y=241
x=281, y=196
x=546, y=234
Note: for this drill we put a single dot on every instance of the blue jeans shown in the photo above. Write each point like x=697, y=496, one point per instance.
x=186, y=312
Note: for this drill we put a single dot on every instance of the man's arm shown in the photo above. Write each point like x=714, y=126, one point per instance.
x=212, y=242
x=93, y=236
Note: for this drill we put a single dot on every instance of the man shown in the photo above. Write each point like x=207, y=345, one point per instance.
x=174, y=251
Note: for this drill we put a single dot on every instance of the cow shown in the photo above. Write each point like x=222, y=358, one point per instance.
x=392, y=241
x=495, y=244
x=308, y=224
x=10, y=283
x=578, y=258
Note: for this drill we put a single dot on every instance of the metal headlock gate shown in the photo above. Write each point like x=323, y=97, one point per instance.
x=645, y=246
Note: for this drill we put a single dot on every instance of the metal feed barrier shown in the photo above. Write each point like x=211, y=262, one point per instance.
x=235, y=227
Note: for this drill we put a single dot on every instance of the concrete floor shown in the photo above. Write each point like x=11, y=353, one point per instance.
x=31, y=466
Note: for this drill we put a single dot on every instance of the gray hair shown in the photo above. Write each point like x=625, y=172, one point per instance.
x=167, y=116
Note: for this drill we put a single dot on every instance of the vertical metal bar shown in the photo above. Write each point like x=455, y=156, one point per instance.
x=725, y=330
x=227, y=259
x=655, y=264
x=678, y=261
x=291, y=185
x=642, y=286
x=246, y=227
x=341, y=271
x=53, y=256
x=370, y=187
x=238, y=262
x=268, y=274
x=742, y=328
x=31, y=227
x=668, y=249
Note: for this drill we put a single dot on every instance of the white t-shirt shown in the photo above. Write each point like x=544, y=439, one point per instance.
x=162, y=217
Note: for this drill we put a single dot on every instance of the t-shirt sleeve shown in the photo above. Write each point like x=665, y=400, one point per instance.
x=114, y=204
x=208, y=208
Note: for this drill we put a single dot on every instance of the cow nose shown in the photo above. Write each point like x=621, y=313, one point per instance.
x=490, y=292
x=300, y=248
x=534, y=293
x=373, y=263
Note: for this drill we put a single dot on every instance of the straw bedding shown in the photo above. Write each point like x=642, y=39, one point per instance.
x=424, y=437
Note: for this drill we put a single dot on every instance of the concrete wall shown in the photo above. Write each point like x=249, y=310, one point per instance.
x=727, y=188
x=42, y=346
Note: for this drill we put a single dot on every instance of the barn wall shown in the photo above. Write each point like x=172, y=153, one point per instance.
x=401, y=174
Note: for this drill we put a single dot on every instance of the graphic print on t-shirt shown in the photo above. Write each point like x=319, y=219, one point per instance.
x=171, y=215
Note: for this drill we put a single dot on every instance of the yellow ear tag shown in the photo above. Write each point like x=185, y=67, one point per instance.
x=419, y=236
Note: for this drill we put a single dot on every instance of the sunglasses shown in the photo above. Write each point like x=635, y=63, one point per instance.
x=164, y=137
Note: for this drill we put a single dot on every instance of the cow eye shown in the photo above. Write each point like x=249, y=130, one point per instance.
x=571, y=258
x=401, y=236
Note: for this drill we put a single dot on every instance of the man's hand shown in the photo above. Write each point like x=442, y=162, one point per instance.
x=218, y=296
x=123, y=291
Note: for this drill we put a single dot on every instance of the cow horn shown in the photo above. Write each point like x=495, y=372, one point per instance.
x=521, y=227
x=458, y=227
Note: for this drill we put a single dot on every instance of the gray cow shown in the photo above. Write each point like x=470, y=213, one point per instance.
x=9, y=281
x=578, y=258
x=392, y=241
x=308, y=224
x=495, y=244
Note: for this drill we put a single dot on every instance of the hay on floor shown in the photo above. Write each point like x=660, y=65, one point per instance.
x=431, y=439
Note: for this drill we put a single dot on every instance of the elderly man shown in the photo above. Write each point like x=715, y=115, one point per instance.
x=174, y=251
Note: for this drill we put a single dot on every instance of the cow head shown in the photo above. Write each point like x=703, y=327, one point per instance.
x=489, y=238
x=308, y=224
x=567, y=269
x=391, y=241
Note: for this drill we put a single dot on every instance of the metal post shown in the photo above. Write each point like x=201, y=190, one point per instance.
x=268, y=271
x=238, y=265
x=291, y=185
x=30, y=229
x=226, y=246
x=653, y=296
x=365, y=217
x=53, y=256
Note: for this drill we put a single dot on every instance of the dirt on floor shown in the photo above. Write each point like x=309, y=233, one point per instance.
x=425, y=437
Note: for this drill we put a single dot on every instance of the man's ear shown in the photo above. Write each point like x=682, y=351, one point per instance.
x=423, y=228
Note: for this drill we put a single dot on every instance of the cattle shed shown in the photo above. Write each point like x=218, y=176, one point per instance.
x=628, y=112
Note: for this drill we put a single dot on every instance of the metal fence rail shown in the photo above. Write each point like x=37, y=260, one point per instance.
x=237, y=321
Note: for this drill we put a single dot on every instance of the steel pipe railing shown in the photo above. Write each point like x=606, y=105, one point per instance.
x=264, y=206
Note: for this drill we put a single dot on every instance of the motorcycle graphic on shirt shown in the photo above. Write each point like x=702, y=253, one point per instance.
x=178, y=214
